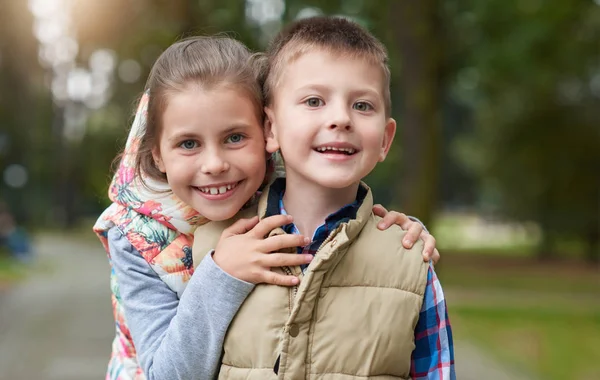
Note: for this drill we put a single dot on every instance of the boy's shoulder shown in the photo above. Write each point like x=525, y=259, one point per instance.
x=386, y=240
x=207, y=235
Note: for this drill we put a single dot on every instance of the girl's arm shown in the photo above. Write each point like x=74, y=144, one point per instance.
x=175, y=338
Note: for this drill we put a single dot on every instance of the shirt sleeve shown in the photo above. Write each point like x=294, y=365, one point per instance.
x=433, y=357
x=175, y=338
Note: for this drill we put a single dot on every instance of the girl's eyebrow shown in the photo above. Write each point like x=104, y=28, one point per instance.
x=235, y=127
x=182, y=136
x=191, y=136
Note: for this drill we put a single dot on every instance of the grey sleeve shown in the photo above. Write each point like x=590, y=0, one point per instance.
x=175, y=338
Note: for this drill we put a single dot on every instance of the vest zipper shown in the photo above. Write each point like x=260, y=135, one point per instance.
x=329, y=238
x=289, y=272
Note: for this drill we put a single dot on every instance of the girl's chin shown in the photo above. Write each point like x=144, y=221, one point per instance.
x=219, y=215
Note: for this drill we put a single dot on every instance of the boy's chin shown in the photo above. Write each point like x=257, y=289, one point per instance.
x=336, y=182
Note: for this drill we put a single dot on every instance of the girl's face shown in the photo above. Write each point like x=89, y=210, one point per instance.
x=212, y=149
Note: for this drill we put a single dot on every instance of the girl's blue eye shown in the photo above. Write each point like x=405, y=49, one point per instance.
x=188, y=144
x=362, y=106
x=313, y=102
x=235, y=138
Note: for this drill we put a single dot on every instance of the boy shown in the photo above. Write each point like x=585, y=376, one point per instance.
x=365, y=307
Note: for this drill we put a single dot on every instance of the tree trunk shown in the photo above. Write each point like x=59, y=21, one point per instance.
x=415, y=27
x=593, y=243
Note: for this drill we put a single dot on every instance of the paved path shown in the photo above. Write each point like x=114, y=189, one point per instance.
x=58, y=323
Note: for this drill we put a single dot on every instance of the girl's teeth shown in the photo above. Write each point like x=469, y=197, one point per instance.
x=217, y=190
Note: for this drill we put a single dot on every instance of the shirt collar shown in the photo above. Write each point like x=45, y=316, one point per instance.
x=275, y=203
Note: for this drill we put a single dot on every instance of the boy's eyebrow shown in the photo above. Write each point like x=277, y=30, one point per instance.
x=367, y=91
x=317, y=87
x=358, y=92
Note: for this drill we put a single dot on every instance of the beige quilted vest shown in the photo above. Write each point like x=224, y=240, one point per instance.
x=352, y=316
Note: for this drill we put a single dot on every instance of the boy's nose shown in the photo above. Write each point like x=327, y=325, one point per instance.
x=340, y=119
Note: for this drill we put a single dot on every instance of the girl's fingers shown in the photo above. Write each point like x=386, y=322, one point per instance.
x=436, y=256
x=394, y=217
x=379, y=210
x=428, y=247
x=266, y=225
x=274, y=260
x=269, y=277
x=412, y=235
x=279, y=242
x=241, y=226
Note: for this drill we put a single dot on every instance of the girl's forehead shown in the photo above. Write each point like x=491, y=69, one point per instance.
x=207, y=111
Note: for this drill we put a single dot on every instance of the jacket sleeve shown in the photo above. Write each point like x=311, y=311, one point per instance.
x=175, y=338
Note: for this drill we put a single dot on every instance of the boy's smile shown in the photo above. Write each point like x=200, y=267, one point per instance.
x=328, y=118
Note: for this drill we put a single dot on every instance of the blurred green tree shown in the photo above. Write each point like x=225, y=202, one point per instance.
x=531, y=76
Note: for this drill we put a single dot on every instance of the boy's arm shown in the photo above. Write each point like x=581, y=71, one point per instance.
x=175, y=338
x=433, y=357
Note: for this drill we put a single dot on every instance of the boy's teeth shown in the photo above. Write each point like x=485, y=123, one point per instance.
x=222, y=189
x=214, y=190
x=331, y=148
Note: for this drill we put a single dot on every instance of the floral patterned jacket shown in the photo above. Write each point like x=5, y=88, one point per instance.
x=158, y=225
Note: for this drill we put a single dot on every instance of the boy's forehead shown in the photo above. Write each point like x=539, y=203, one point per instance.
x=315, y=62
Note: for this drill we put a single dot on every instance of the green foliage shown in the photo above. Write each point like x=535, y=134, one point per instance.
x=533, y=341
x=497, y=103
x=529, y=315
x=534, y=92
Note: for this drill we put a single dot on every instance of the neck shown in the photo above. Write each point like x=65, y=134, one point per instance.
x=310, y=203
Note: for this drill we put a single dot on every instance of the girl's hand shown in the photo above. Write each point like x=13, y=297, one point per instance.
x=244, y=252
x=414, y=230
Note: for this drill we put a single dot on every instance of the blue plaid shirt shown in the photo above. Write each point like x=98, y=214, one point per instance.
x=433, y=356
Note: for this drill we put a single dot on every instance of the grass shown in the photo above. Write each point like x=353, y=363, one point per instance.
x=10, y=270
x=540, y=318
x=553, y=344
x=493, y=272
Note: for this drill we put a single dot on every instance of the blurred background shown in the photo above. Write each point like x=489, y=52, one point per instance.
x=498, y=152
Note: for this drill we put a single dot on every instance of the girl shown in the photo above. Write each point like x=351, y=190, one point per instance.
x=195, y=153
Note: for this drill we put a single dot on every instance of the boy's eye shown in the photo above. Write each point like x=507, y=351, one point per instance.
x=313, y=102
x=362, y=106
x=235, y=138
x=188, y=144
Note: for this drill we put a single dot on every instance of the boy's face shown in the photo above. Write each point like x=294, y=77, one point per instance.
x=212, y=149
x=328, y=119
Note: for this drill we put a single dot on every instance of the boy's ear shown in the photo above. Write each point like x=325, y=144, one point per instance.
x=158, y=159
x=388, y=138
x=272, y=145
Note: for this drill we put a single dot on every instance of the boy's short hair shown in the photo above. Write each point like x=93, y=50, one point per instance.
x=333, y=34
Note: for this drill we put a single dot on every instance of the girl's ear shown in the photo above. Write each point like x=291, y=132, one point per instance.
x=272, y=145
x=158, y=159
